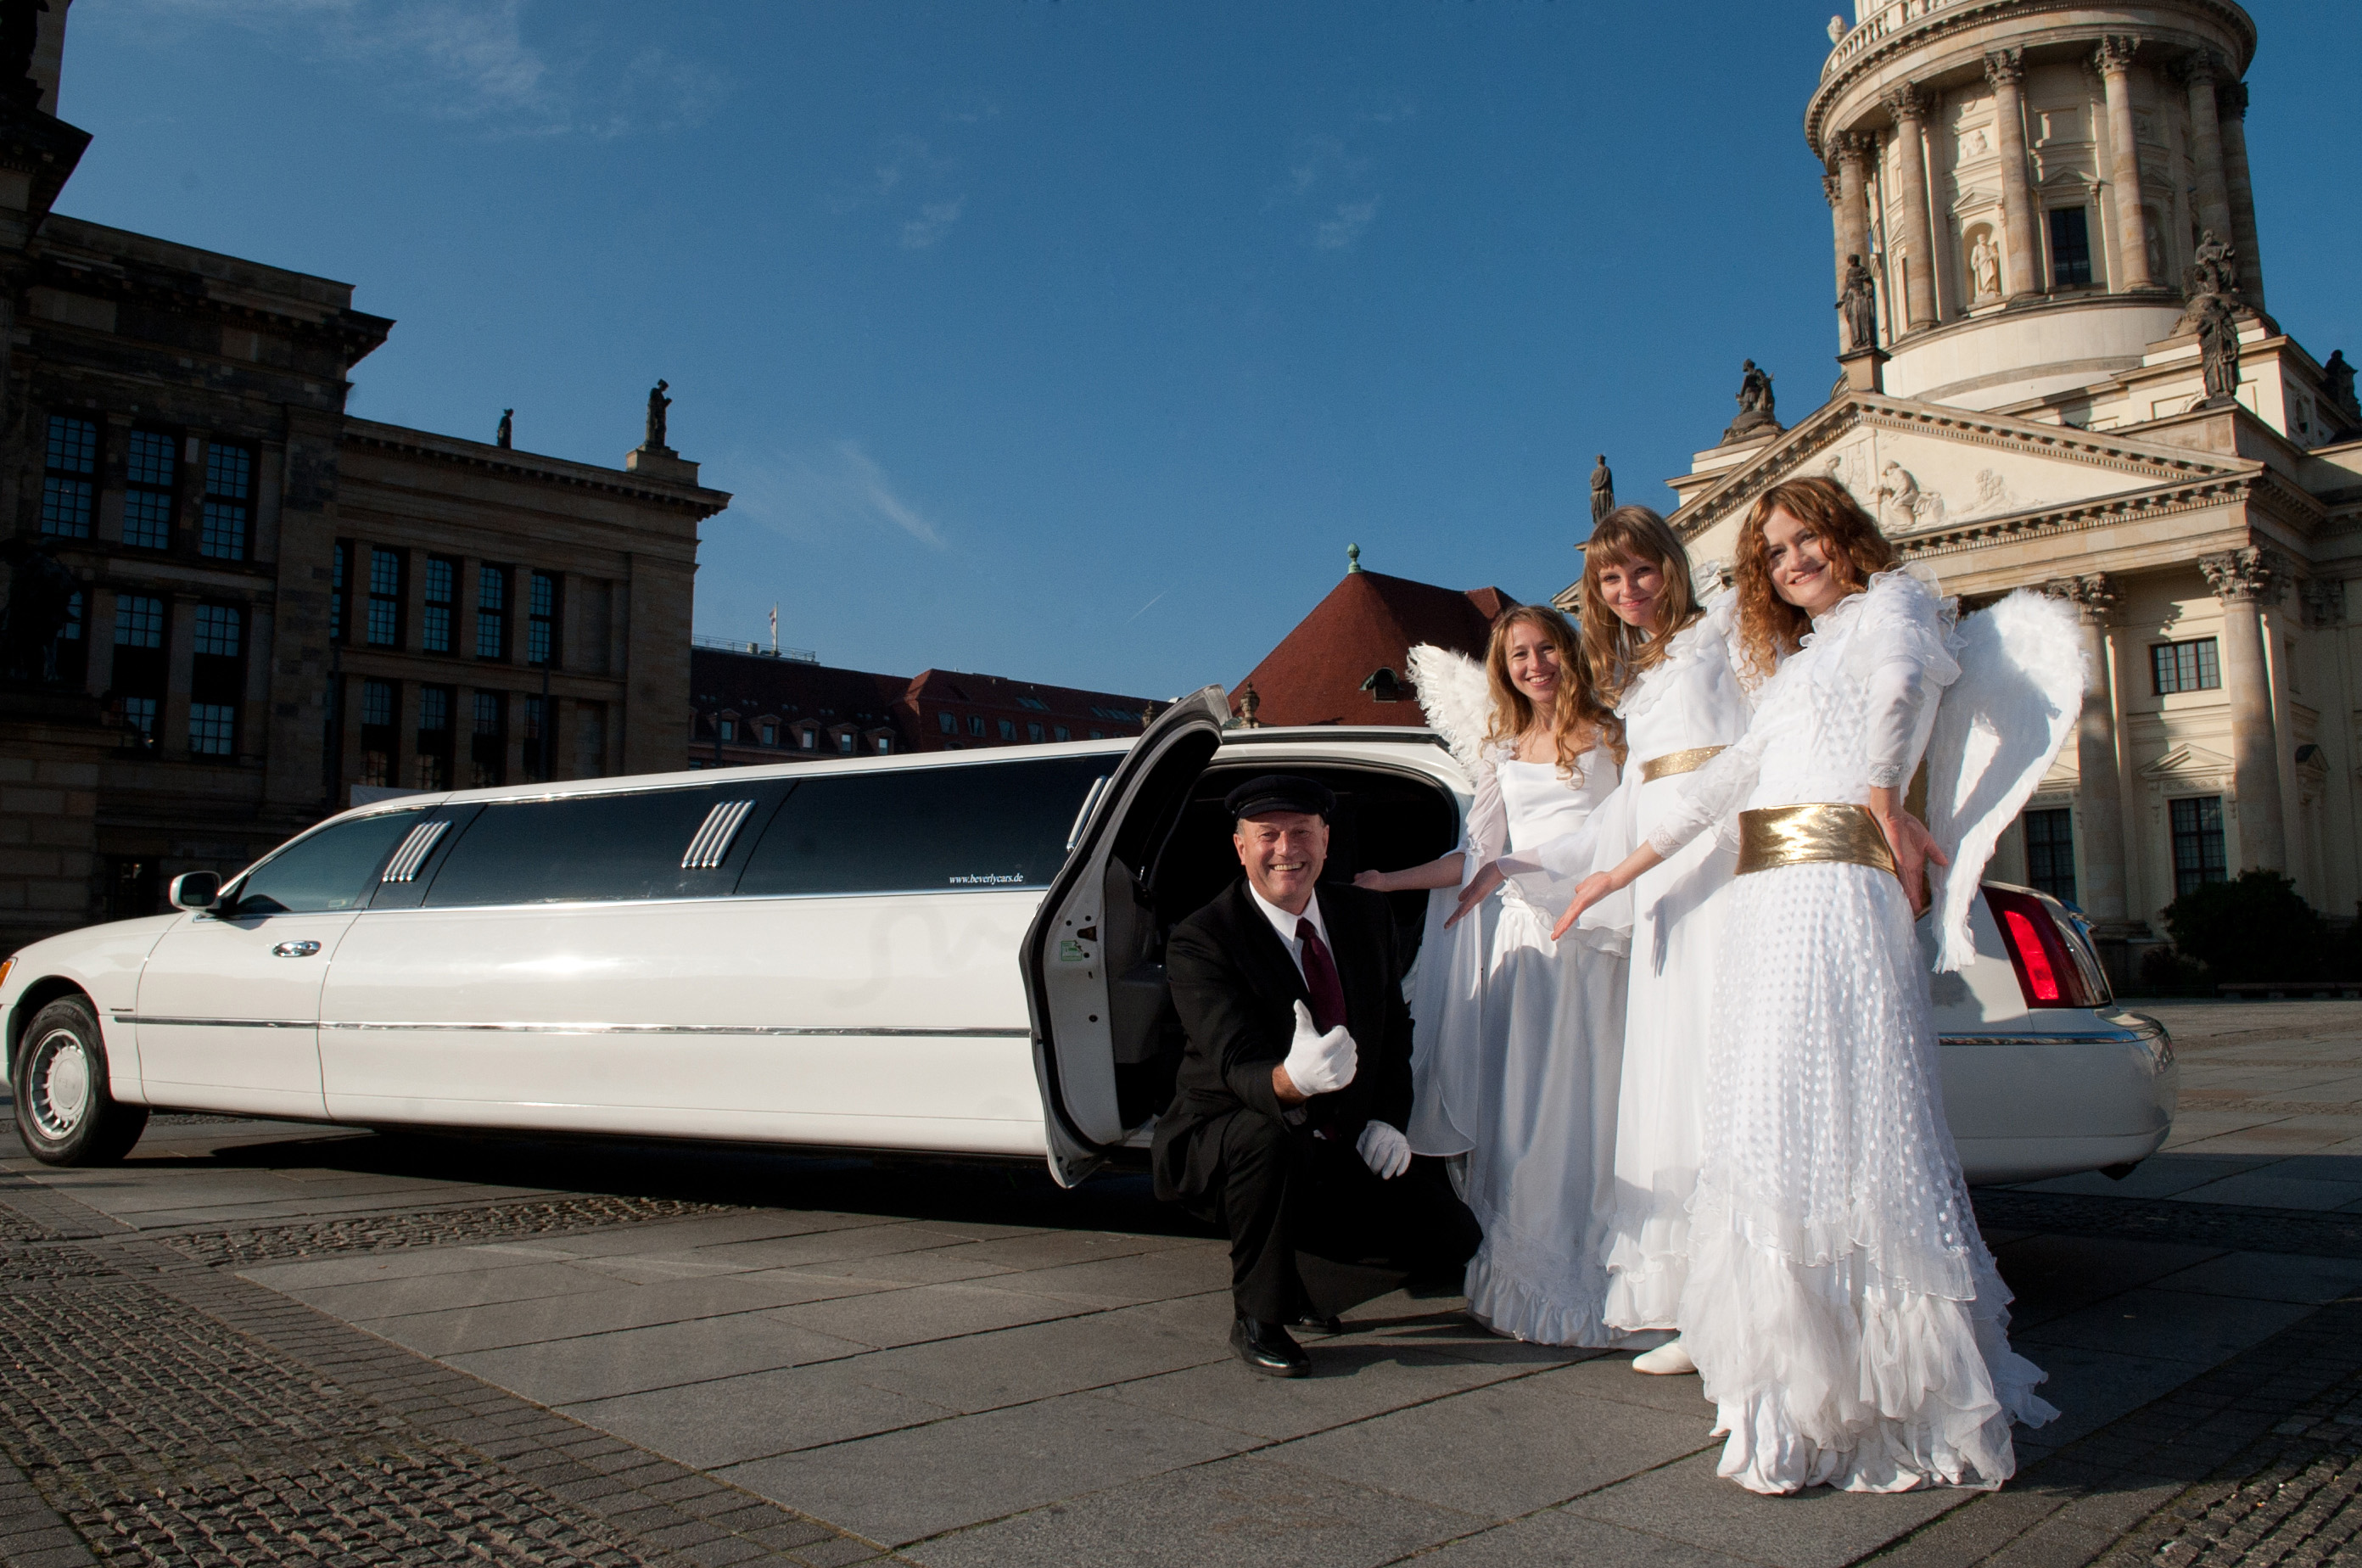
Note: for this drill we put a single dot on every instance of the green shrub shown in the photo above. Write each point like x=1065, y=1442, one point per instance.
x=2254, y=927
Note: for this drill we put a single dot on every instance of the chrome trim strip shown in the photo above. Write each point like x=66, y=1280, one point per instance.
x=404, y=867
x=2127, y=1036
x=680, y=1028
x=216, y=1023
x=1082, y=818
x=710, y=844
x=1033, y=889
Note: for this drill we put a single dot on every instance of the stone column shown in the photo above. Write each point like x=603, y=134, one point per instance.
x=1909, y=107
x=1854, y=152
x=2245, y=580
x=2098, y=798
x=1832, y=188
x=2115, y=61
x=2197, y=74
x=2020, y=277
x=2232, y=124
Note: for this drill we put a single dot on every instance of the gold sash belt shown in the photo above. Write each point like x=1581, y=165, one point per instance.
x=1790, y=836
x=1676, y=762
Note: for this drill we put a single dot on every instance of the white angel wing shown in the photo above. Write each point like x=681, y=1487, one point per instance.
x=1998, y=730
x=1456, y=698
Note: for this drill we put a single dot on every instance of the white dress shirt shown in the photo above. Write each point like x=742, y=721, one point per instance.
x=1285, y=924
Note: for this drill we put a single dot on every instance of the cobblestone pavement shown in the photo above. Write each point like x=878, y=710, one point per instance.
x=258, y=1343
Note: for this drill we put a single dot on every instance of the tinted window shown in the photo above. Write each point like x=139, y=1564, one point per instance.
x=333, y=869
x=926, y=830
x=589, y=847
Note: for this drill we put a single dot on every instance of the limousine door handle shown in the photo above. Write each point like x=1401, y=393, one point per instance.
x=295, y=950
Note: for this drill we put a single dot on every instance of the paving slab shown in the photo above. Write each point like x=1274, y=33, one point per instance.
x=662, y=1355
x=2269, y=1188
x=2091, y=1387
x=1039, y=1361
x=401, y=1294
x=2270, y=1276
x=2173, y=1325
x=1449, y=1451
x=757, y=1415
x=919, y=1313
x=1555, y=1536
x=1686, y=1501
x=1245, y=1512
x=1352, y=1380
x=614, y=1307
x=2055, y=1277
x=907, y=1485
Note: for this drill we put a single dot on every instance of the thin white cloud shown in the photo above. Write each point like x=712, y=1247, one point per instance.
x=1340, y=232
x=934, y=221
x=830, y=491
x=467, y=60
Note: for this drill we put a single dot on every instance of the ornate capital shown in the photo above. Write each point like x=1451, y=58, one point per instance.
x=1855, y=146
x=1906, y=102
x=2250, y=573
x=2005, y=67
x=2115, y=53
x=2094, y=594
x=1833, y=188
x=2196, y=67
x=2231, y=99
x=2324, y=601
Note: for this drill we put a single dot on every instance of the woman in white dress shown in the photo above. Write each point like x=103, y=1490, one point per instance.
x=1666, y=662
x=1841, y=1307
x=1521, y=1060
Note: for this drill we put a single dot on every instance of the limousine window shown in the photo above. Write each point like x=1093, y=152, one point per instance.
x=587, y=848
x=927, y=830
x=333, y=868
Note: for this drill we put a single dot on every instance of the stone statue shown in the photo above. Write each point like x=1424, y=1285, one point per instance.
x=1984, y=266
x=2337, y=385
x=503, y=437
x=20, y=35
x=1837, y=31
x=1859, y=305
x=658, y=403
x=2217, y=269
x=1603, y=492
x=1755, y=416
x=1916, y=508
x=2218, y=347
x=40, y=601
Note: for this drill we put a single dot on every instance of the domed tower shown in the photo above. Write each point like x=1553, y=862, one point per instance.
x=2028, y=180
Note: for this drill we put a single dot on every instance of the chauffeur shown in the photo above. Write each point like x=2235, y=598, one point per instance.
x=1286, y=1125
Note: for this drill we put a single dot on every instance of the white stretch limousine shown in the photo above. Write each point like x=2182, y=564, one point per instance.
x=943, y=952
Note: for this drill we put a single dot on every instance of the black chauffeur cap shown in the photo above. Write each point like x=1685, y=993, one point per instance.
x=1281, y=792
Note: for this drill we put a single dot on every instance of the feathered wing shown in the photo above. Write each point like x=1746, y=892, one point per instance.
x=1456, y=698
x=1998, y=730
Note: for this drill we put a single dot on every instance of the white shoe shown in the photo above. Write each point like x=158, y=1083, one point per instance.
x=1667, y=1360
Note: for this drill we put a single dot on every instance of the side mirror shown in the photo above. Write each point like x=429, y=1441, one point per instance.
x=196, y=891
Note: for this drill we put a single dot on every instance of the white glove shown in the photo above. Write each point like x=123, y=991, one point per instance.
x=1385, y=1150
x=1318, y=1062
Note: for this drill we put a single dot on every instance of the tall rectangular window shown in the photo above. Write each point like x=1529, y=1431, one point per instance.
x=216, y=680
x=69, y=478
x=2198, y=856
x=70, y=651
x=340, y=579
x=385, y=599
x=488, y=745
x=492, y=611
x=2051, y=852
x=2194, y=666
x=947, y=724
x=150, y=470
x=435, y=737
x=229, y=501
x=442, y=603
x=536, y=739
x=380, y=702
x=139, y=662
x=541, y=619
x=2070, y=249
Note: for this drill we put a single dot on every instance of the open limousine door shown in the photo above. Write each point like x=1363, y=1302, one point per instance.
x=1078, y=938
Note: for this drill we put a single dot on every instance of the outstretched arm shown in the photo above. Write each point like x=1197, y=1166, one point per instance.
x=1599, y=885
x=1444, y=871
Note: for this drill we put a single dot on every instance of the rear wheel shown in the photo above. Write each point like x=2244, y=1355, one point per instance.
x=64, y=1114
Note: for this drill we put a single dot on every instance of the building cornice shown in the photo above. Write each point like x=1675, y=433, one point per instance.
x=353, y=333
x=695, y=500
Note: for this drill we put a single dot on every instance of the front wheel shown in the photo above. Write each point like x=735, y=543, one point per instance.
x=64, y=1114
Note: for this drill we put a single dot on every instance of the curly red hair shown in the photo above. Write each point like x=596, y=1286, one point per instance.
x=1770, y=628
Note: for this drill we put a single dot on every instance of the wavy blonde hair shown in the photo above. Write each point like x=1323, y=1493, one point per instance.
x=1770, y=628
x=1632, y=536
x=1579, y=720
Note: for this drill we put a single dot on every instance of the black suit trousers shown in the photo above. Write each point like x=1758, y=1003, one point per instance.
x=1307, y=1218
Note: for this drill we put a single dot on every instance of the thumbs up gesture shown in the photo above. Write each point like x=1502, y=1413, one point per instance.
x=1319, y=1063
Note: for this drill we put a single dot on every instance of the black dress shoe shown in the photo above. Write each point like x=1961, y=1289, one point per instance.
x=1266, y=1348
x=1314, y=1323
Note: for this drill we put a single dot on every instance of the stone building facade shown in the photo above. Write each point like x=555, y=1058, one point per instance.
x=2032, y=183
x=751, y=706
x=230, y=604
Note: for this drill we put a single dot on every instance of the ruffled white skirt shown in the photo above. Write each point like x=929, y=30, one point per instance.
x=1517, y=1072
x=1843, y=1311
x=1660, y=1122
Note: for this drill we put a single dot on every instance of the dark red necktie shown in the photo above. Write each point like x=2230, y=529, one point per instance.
x=1328, y=993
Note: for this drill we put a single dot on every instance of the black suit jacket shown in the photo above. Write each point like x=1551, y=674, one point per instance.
x=1235, y=987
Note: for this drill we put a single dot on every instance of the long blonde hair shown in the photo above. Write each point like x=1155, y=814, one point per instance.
x=1770, y=627
x=1632, y=536
x=1579, y=720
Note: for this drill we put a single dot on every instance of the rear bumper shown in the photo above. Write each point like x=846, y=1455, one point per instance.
x=2027, y=1105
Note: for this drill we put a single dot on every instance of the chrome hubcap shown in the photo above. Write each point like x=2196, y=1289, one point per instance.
x=58, y=1081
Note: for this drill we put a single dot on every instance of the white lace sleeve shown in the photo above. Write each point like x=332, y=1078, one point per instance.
x=1904, y=652
x=1714, y=795
x=1488, y=817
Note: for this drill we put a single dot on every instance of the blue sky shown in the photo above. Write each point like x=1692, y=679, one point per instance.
x=1069, y=340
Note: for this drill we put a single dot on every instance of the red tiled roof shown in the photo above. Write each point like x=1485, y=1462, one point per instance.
x=1369, y=622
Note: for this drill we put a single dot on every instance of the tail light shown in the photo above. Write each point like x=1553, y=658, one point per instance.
x=2055, y=967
